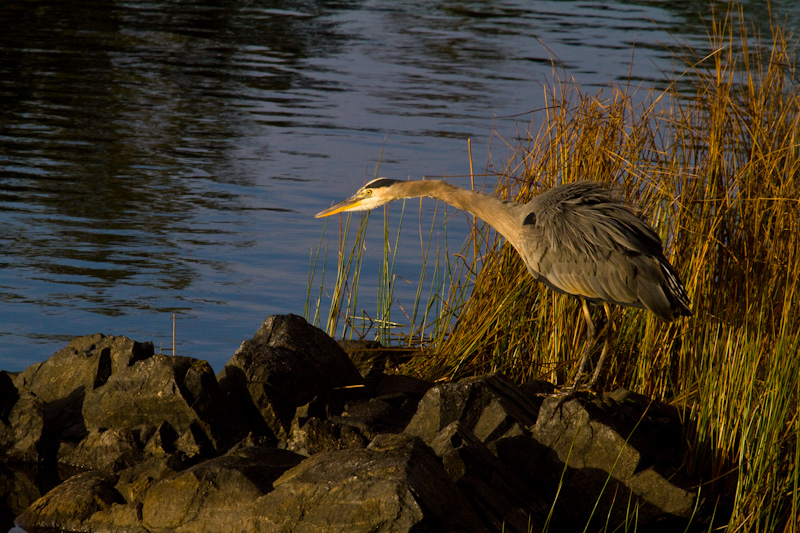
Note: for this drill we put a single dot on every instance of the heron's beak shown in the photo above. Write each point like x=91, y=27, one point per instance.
x=344, y=205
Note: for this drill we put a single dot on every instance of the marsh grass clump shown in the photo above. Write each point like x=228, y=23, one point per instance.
x=713, y=164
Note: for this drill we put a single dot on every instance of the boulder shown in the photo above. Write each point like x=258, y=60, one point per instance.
x=489, y=406
x=611, y=455
x=18, y=490
x=62, y=382
x=494, y=489
x=384, y=405
x=285, y=365
x=85, y=362
x=134, y=482
x=217, y=494
x=180, y=391
x=109, y=450
x=68, y=506
x=367, y=356
x=293, y=438
x=22, y=429
x=398, y=487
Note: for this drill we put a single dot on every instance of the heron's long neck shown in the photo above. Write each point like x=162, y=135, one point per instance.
x=497, y=213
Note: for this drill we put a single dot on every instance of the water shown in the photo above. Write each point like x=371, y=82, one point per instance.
x=164, y=157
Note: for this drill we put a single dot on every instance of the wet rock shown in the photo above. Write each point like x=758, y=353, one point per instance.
x=488, y=406
x=68, y=506
x=619, y=451
x=395, y=488
x=217, y=494
x=180, y=391
x=284, y=366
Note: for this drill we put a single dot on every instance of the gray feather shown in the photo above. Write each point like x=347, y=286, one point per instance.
x=578, y=239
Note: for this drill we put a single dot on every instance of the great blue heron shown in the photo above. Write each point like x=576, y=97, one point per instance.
x=576, y=239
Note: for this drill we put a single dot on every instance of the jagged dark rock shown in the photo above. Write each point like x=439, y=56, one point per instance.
x=289, y=436
x=285, y=365
x=493, y=488
x=180, y=391
x=399, y=488
x=62, y=382
x=216, y=495
x=22, y=429
x=489, y=406
x=367, y=356
x=109, y=450
x=612, y=453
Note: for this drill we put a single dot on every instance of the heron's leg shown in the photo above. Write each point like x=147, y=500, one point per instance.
x=591, y=336
x=610, y=331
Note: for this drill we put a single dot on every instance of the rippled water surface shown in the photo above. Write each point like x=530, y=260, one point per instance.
x=168, y=157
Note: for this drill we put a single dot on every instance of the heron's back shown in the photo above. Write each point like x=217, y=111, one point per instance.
x=578, y=239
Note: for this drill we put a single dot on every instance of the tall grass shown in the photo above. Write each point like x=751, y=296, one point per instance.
x=713, y=163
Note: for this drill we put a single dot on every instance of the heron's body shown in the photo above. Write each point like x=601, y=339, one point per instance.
x=576, y=239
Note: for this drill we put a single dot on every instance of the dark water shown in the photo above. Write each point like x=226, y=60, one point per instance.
x=167, y=157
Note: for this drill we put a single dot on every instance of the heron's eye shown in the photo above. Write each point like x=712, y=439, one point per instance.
x=368, y=192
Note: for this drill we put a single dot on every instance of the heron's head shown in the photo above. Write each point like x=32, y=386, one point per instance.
x=375, y=193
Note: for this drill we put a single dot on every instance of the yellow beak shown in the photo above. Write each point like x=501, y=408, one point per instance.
x=344, y=205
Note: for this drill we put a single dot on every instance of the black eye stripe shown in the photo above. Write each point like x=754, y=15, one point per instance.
x=380, y=182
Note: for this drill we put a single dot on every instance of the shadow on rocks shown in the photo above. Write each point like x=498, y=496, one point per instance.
x=291, y=436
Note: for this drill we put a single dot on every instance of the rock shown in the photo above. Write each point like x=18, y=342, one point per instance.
x=17, y=490
x=386, y=404
x=68, y=506
x=618, y=451
x=398, y=385
x=62, y=382
x=117, y=518
x=85, y=362
x=380, y=453
x=317, y=435
x=108, y=450
x=500, y=497
x=488, y=406
x=399, y=488
x=21, y=431
x=134, y=482
x=367, y=356
x=8, y=394
x=195, y=443
x=180, y=391
x=217, y=494
x=162, y=441
x=284, y=366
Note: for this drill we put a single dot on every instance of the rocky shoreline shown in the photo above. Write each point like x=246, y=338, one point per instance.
x=300, y=433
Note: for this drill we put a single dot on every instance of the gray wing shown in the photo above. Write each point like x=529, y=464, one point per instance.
x=577, y=239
